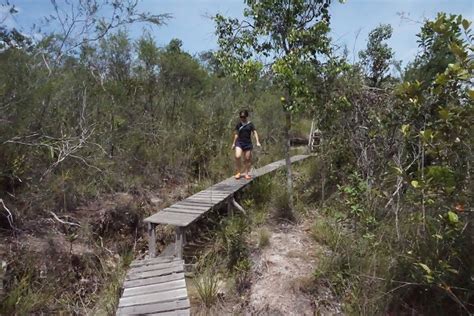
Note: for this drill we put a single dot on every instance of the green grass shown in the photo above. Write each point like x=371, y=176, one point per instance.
x=207, y=288
x=263, y=238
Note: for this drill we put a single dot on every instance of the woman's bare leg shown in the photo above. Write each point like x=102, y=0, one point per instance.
x=248, y=161
x=238, y=155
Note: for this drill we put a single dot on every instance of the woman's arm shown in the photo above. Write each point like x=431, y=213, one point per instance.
x=256, y=138
x=235, y=139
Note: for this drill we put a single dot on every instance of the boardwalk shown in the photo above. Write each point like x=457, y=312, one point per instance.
x=185, y=212
x=157, y=285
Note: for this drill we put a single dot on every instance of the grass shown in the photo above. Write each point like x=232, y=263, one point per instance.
x=263, y=238
x=207, y=288
x=107, y=299
x=24, y=298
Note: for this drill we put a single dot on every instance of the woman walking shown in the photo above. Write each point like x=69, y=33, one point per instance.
x=243, y=145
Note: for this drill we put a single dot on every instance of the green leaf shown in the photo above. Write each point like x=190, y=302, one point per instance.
x=458, y=51
x=466, y=24
x=415, y=184
x=441, y=79
x=470, y=92
x=405, y=129
x=427, y=135
x=425, y=267
x=438, y=236
x=453, y=217
x=399, y=170
x=444, y=114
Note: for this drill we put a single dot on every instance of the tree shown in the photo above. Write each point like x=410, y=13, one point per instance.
x=378, y=56
x=436, y=53
x=437, y=113
x=282, y=38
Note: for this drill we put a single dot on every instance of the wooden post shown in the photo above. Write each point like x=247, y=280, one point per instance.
x=179, y=242
x=151, y=240
x=230, y=209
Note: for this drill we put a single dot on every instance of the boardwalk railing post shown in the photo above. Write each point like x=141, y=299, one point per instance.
x=179, y=242
x=151, y=240
x=230, y=209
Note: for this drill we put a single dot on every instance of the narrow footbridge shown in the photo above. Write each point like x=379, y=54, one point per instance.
x=157, y=285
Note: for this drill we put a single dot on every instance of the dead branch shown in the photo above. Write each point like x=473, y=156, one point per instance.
x=9, y=216
x=63, y=222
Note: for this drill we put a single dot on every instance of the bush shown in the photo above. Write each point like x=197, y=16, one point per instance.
x=207, y=286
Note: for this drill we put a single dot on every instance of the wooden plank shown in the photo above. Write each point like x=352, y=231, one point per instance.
x=204, y=197
x=154, y=308
x=180, y=210
x=211, y=194
x=172, y=295
x=192, y=206
x=156, y=266
x=196, y=203
x=209, y=199
x=153, y=288
x=172, y=218
x=155, y=280
x=153, y=273
x=213, y=190
x=181, y=312
x=137, y=263
x=176, y=216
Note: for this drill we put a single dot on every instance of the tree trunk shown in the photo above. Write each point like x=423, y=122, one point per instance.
x=289, y=175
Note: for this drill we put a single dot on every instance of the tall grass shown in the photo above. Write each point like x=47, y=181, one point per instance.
x=207, y=287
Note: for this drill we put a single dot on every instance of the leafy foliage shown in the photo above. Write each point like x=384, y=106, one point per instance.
x=378, y=56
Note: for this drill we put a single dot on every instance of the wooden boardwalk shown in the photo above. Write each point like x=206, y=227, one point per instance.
x=155, y=286
x=186, y=211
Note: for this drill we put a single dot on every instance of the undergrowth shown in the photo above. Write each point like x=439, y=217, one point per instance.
x=376, y=265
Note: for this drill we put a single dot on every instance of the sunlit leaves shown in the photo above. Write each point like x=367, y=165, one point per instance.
x=286, y=38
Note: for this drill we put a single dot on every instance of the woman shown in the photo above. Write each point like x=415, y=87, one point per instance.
x=243, y=144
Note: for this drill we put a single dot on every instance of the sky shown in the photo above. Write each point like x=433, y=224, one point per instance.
x=350, y=23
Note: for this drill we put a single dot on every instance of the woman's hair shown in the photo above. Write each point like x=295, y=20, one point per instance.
x=244, y=113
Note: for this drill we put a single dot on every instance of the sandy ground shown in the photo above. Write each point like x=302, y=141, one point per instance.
x=282, y=272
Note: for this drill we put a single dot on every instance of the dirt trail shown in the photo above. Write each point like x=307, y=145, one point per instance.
x=282, y=274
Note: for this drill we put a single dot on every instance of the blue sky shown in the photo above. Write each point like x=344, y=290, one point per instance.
x=351, y=22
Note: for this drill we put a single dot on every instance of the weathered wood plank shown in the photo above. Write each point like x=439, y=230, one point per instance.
x=156, y=266
x=153, y=273
x=172, y=295
x=181, y=312
x=162, y=259
x=173, y=218
x=204, y=198
x=211, y=194
x=154, y=308
x=182, y=210
x=196, y=203
x=155, y=280
x=153, y=288
x=191, y=206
